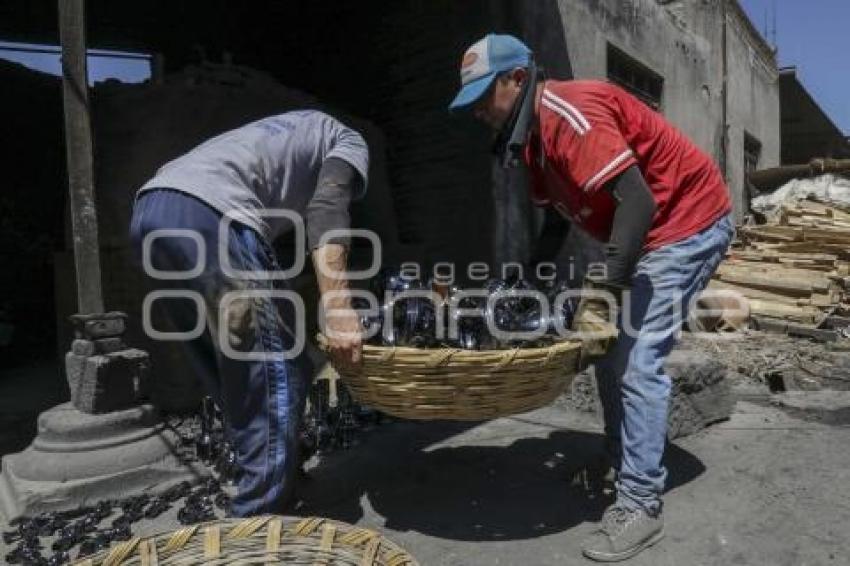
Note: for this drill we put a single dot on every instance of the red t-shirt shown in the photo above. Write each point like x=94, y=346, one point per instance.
x=590, y=132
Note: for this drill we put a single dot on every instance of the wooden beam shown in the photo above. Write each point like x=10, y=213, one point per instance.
x=753, y=293
x=806, y=315
x=78, y=142
x=776, y=282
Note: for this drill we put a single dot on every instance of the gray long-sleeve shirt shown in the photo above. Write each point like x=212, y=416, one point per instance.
x=273, y=163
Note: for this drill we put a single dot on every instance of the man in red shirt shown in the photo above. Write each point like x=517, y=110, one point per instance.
x=618, y=170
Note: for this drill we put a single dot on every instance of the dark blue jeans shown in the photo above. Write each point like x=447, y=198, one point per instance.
x=262, y=400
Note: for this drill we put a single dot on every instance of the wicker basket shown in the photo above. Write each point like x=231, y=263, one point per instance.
x=259, y=540
x=466, y=385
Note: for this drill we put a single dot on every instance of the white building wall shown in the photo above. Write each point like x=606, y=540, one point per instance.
x=681, y=41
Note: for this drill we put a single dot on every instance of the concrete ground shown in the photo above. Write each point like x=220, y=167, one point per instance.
x=768, y=487
x=763, y=488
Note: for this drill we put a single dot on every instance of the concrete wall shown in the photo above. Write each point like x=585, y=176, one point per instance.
x=681, y=41
x=754, y=103
x=652, y=35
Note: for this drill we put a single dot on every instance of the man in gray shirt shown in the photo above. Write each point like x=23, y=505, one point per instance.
x=203, y=226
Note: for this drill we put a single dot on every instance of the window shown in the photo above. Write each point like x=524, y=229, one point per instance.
x=752, y=153
x=635, y=77
x=102, y=64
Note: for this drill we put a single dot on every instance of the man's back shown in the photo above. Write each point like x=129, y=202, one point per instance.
x=272, y=163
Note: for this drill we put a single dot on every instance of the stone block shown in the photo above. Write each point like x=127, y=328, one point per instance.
x=87, y=348
x=82, y=348
x=93, y=326
x=108, y=382
x=701, y=394
x=108, y=345
x=74, y=369
x=104, y=328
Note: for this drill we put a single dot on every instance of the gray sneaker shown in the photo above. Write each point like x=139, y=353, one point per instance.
x=623, y=533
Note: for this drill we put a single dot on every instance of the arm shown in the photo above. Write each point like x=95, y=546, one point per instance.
x=632, y=220
x=342, y=327
x=328, y=210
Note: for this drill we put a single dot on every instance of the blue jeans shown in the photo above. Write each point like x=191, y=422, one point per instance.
x=633, y=386
x=262, y=400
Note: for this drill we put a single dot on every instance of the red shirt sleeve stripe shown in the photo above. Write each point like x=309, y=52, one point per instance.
x=564, y=114
x=568, y=108
x=592, y=184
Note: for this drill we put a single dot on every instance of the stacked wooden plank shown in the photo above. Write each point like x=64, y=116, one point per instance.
x=796, y=267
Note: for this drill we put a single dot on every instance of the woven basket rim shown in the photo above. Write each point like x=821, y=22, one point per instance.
x=559, y=344
x=208, y=542
x=411, y=350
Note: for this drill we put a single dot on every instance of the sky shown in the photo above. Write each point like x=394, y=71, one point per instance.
x=814, y=36
x=101, y=65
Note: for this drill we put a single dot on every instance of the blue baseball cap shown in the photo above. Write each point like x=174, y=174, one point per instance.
x=481, y=64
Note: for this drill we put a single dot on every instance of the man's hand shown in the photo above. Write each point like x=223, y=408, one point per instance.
x=344, y=334
x=596, y=310
x=342, y=326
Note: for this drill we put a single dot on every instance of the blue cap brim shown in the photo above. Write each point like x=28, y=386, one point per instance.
x=471, y=93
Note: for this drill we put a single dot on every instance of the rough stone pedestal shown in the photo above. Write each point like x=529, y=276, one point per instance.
x=79, y=458
x=700, y=395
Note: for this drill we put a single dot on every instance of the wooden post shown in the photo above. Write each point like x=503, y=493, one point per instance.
x=78, y=141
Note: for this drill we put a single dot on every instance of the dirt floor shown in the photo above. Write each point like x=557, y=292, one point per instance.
x=767, y=487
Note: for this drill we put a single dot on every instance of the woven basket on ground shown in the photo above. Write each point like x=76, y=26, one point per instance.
x=468, y=385
x=259, y=540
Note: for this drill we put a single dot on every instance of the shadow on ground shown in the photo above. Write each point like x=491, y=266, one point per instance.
x=470, y=492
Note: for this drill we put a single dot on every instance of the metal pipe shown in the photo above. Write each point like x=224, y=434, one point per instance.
x=724, y=92
x=770, y=179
